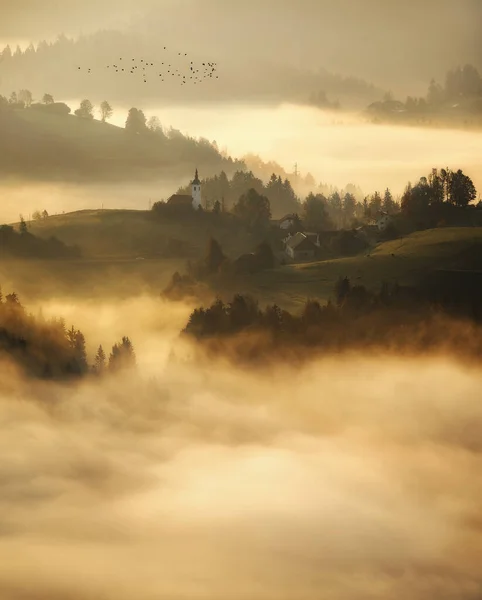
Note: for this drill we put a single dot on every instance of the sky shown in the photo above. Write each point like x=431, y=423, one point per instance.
x=382, y=41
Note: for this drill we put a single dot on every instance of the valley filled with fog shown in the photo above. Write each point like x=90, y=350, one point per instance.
x=186, y=479
x=240, y=300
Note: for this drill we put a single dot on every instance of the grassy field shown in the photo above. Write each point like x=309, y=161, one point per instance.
x=114, y=240
x=404, y=261
x=90, y=279
x=132, y=233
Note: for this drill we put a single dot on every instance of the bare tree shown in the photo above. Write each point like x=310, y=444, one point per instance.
x=106, y=111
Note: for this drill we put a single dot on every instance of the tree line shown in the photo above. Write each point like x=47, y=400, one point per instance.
x=417, y=319
x=24, y=99
x=47, y=349
x=255, y=203
x=462, y=89
x=433, y=198
x=21, y=243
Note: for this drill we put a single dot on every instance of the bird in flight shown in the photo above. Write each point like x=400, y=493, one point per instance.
x=198, y=73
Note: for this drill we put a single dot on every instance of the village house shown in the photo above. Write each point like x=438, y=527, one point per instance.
x=287, y=222
x=383, y=221
x=301, y=246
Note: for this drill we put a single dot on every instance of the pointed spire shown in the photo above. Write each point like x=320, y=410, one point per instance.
x=196, y=179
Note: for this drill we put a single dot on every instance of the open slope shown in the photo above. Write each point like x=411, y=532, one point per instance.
x=118, y=238
x=404, y=261
x=37, y=144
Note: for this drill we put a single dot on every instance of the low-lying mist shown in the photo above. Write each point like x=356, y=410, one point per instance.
x=345, y=479
x=336, y=148
x=25, y=197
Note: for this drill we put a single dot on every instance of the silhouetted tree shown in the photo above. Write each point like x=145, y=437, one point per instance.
x=253, y=209
x=342, y=289
x=48, y=99
x=122, y=356
x=136, y=121
x=100, y=361
x=106, y=111
x=315, y=213
x=154, y=124
x=23, y=225
x=461, y=189
x=388, y=204
x=349, y=206
x=214, y=256
x=86, y=110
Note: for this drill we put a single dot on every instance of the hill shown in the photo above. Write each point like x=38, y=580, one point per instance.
x=39, y=145
x=406, y=261
x=118, y=238
x=266, y=80
x=106, y=234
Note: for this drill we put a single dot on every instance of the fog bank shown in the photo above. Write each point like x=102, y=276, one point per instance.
x=347, y=479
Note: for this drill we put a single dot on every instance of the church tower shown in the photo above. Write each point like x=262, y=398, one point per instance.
x=196, y=192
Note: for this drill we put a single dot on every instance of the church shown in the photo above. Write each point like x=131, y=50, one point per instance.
x=185, y=201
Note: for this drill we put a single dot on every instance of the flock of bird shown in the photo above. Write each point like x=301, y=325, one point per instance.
x=163, y=71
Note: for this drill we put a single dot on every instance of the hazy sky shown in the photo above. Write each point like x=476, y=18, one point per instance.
x=364, y=37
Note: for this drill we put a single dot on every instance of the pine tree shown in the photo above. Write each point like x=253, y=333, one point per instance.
x=99, y=361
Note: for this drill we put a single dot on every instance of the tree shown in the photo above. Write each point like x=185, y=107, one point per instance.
x=77, y=346
x=13, y=98
x=214, y=256
x=45, y=214
x=154, y=124
x=437, y=184
x=461, y=189
x=6, y=54
x=375, y=205
x=388, y=203
x=416, y=200
x=122, y=356
x=48, y=99
x=25, y=96
x=349, y=206
x=99, y=361
x=86, y=110
x=315, y=213
x=106, y=111
x=254, y=209
x=23, y=225
x=136, y=121
x=37, y=215
x=342, y=289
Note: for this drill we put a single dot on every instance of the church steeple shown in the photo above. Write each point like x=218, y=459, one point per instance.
x=196, y=179
x=196, y=191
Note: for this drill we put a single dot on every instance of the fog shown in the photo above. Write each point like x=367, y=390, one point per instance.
x=337, y=150
x=390, y=42
x=351, y=478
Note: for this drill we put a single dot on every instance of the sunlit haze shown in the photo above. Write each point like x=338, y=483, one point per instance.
x=240, y=300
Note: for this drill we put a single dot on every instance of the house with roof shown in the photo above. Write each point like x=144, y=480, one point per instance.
x=184, y=201
x=288, y=221
x=301, y=246
x=383, y=221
